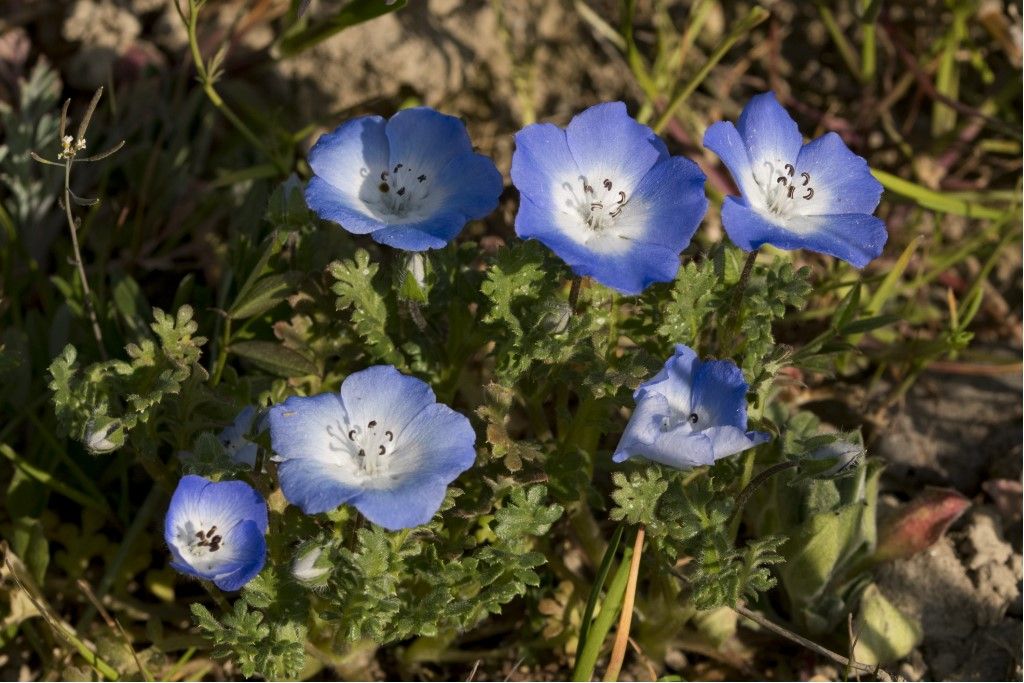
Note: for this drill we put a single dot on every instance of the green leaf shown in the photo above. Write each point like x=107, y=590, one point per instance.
x=370, y=311
x=264, y=294
x=884, y=633
x=275, y=358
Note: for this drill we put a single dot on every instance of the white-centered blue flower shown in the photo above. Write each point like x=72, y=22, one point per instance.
x=235, y=440
x=383, y=445
x=691, y=413
x=411, y=182
x=216, y=531
x=819, y=196
x=605, y=195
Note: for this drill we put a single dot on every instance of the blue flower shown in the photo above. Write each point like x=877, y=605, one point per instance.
x=383, y=445
x=605, y=195
x=234, y=438
x=691, y=413
x=818, y=196
x=215, y=531
x=411, y=182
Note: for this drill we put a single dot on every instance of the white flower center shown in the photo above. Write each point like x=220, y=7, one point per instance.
x=597, y=206
x=368, y=447
x=784, y=187
x=676, y=419
x=202, y=544
x=398, y=192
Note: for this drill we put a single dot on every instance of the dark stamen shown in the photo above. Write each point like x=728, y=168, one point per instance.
x=372, y=424
x=607, y=184
x=790, y=170
x=596, y=205
x=782, y=180
x=351, y=435
x=383, y=187
x=397, y=166
x=806, y=177
x=390, y=435
x=622, y=197
x=382, y=450
x=422, y=178
x=362, y=453
x=401, y=191
x=810, y=193
x=789, y=192
x=693, y=418
x=383, y=175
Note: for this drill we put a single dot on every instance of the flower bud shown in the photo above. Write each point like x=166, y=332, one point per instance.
x=104, y=434
x=312, y=566
x=833, y=460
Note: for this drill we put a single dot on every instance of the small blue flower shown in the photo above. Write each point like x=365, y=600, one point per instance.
x=690, y=414
x=819, y=196
x=234, y=440
x=383, y=445
x=412, y=182
x=605, y=195
x=215, y=531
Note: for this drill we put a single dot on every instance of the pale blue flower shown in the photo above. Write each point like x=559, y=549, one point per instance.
x=818, y=196
x=411, y=182
x=215, y=531
x=235, y=440
x=607, y=198
x=691, y=413
x=383, y=445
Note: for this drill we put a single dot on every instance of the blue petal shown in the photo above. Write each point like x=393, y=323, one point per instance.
x=842, y=180
x=667, y=205
x=607, y=142
x=645, y=437
x=728, y=440
x=316, y=486
x=333, y=205
x=674, y=381
x=719, y=395
x=769, y=132
x=855, y=238
x=299, y=426
x=249, y=553
x=472, y=185
x=383, y=394
x=408, y=505
x=426, y=140
x=431, y=233
x=723, y=139
x=197, y=498
x=438, y=442
x=630, y=271
x=541, y=163
x=353, y=151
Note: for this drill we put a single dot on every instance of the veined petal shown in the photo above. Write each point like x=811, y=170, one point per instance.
x=381, y=393
x=438, y=442
x=667, y=205
x=425, y=140
x=607, y=142
x=352, y=152
x=411, y=503
x=723, y=139
x=674, y=381
x=430, y=233
x=719, y=395
x=248, y=552
x=842, y=181
x=854, y=238
x=300, y=428
x=728, y=440
x=542, y=161
x=623, y=264
x=471, y=185
x=334, y=205
x=771, y=135
x=317, y=486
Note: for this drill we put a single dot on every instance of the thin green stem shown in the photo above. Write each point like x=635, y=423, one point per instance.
x=587, y=659
x=222, y=353
x=599, y=579
x=755, y=16
x=86, y=292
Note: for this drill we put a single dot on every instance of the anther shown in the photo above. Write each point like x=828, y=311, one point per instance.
x=397, y=166
x=810, y=193
x=382, y=450
x=596, y=205
x=693, y=418
x=372, y=424
x=383, y=187
x=782, y=180
x=789, y=191
x=390, y=435
x=351, y=435
x=383, y=175
x=401, y=191
x=607, y=184
x=422, y=178
x=362, y=453
x=622, y=197
x=790, y=170
x=807, y=178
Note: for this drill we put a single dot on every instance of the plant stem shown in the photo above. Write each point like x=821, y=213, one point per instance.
x=626, y=615
x=574, y=292
x=587, y=659
x=754, y=17
x=769, y=625
x=86, y=292
x=222, y=353
x=734, y=318
x=755, y=483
